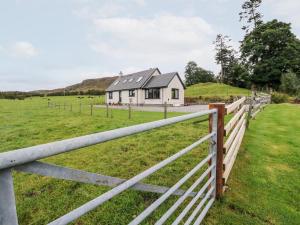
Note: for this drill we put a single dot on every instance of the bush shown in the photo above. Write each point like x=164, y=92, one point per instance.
x=279, y=98
x=290, y=83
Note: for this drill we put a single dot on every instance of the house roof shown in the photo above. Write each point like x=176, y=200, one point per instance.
x=132, y=81
x=162, y=80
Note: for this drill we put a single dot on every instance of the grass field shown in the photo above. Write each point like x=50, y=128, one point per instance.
x=42, y=199
x=270, y=151
x=264, y=187
x=215, y=89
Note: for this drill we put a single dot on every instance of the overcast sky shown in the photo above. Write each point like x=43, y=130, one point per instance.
x=52, y=43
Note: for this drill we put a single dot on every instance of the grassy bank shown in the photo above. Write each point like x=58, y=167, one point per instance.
x=264, y=184
x=215, y=89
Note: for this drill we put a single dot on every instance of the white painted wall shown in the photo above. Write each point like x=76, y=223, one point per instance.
x=115, y=98
x=175, y=83
x=165, y=96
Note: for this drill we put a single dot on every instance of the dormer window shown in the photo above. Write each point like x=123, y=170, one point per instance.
x=139, y=79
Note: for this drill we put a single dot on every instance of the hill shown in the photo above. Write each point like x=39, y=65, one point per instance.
x=92, y=84
x=215, y=89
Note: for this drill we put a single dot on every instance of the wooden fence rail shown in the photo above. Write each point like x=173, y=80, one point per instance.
x=234, y=130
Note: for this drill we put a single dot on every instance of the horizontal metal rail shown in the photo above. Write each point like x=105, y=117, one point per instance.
x=64, y=173
x=199, y=206
x=183, y=197
x=25, y=155
x=193, y=201
x=71, y=216
x=164, y=197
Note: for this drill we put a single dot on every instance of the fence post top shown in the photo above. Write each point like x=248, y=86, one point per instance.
x=217, y=104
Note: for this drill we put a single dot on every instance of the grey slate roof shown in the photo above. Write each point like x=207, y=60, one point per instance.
x=129, y=81
x=162, y=80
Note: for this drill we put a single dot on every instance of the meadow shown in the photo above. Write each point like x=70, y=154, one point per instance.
x=43, y=199
x=263, y=187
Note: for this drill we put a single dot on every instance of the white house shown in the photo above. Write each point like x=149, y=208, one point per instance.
x=148, y=87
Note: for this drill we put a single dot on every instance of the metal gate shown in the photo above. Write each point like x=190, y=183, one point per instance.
x=25, y=160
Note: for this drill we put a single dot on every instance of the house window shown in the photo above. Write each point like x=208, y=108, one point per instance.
x=131, y=93
x=110, y=95
x=175, y=93
x=152, y=93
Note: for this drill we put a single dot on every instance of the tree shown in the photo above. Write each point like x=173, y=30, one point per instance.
x=225, y=55
x=250, y=14
x=195, y=74
x=269, y=51
x=290, y=83
x=238, y=75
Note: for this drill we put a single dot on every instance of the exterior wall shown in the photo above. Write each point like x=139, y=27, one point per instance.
x=125, y=97
x=115, y=98
x=175, y=83
x=139, y=98
x=166, y=94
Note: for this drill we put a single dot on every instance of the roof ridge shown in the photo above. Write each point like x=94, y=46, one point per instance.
x=142, y=71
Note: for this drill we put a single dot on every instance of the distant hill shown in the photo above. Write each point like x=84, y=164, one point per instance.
x=92, y=84
x=215, y=89
x=98, y=84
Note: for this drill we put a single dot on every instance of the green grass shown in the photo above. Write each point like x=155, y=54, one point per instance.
x=215, y=89
x=42, y=199
x=270, y=152
x=264, y=184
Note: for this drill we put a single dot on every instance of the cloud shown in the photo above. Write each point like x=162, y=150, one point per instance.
x=93, y=10
x=163, y=39
x=23, y=49
x=286, y=9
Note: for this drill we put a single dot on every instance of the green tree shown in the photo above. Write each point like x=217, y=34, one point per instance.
x=251, y=14
x=238, y=75
x=269, y=51
x=195, y=74
x=225, y=55
x=290, y=83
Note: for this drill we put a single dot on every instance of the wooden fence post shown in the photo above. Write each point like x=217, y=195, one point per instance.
x=165, y=110
x=91, y=109
x=129, y=110
x=106, y=110
x=250, y=111
x=220, y=141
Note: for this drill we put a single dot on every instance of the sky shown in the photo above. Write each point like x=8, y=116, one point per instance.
x=51, y=44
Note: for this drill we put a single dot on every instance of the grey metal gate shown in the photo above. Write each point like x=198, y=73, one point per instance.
x=26, y=160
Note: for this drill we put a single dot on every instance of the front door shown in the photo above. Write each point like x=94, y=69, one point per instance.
x=120, y=96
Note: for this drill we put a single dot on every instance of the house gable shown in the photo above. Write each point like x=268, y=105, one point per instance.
x=162, y=80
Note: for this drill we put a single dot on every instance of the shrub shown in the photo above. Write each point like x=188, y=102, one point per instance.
x=290, y=83
x=279, y=98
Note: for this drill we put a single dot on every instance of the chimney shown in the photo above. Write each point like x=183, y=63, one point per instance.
x=120, y=74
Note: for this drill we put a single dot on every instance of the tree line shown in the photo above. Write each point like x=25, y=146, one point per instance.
x=268, y=57
x=22, y=95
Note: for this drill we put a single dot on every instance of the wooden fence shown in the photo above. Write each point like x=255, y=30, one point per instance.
x=230, y=135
